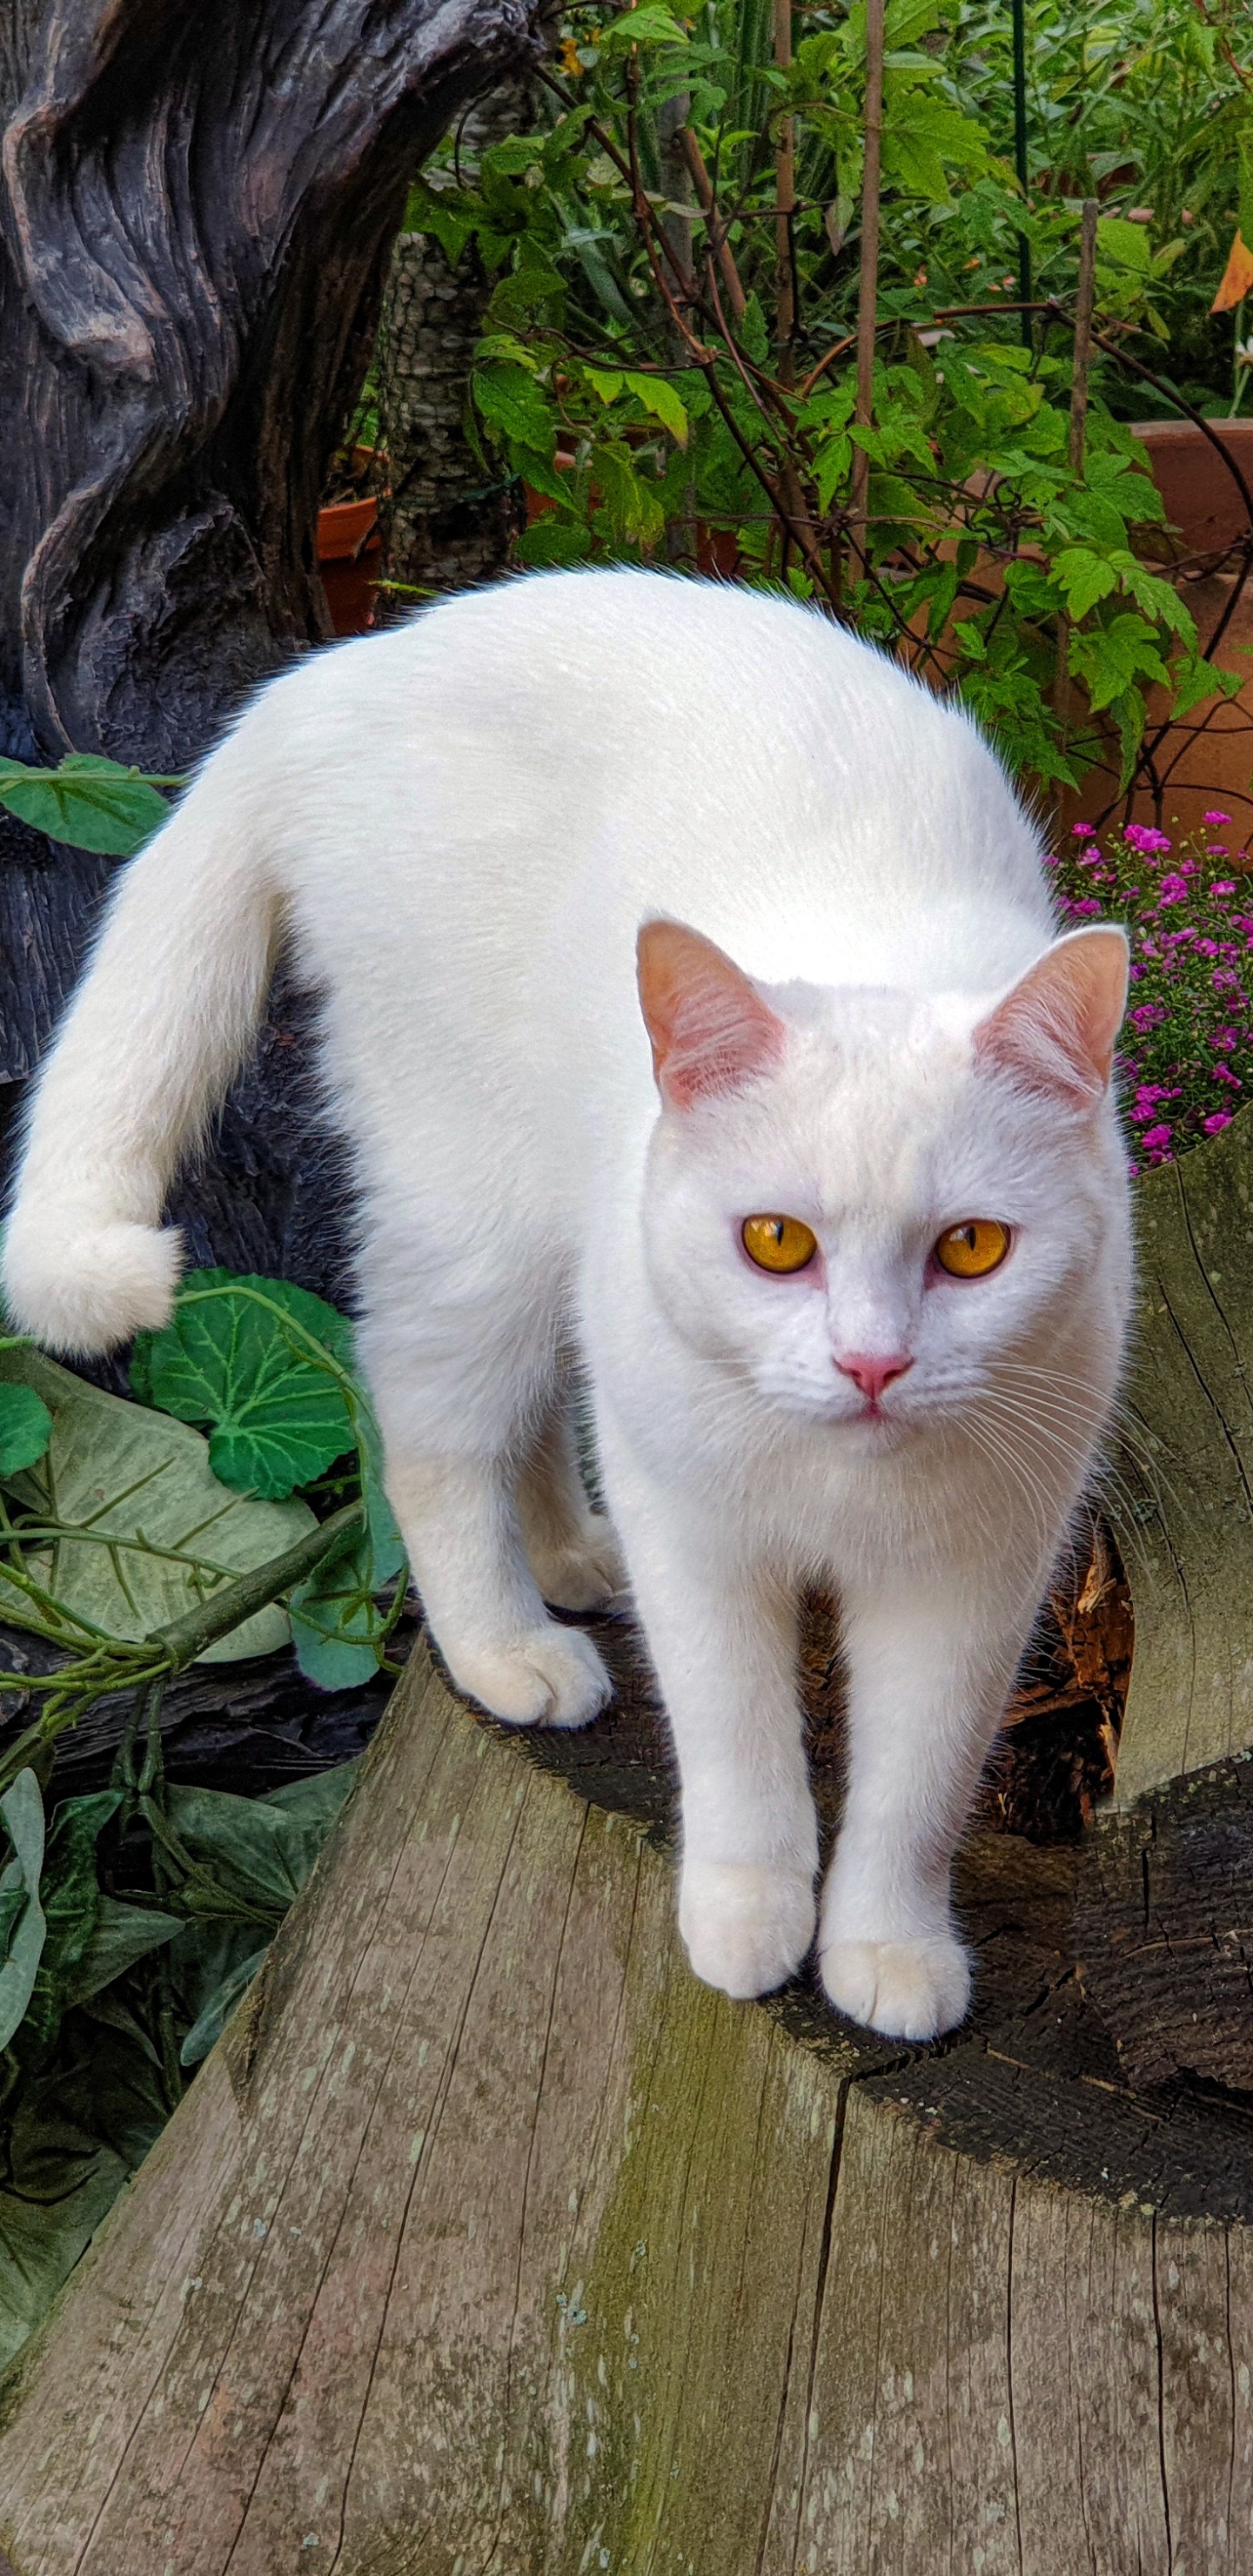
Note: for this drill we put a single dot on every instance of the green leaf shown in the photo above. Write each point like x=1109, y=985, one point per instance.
x=120, y=1935
x=70, y=1898
x=1114, y=658
x=22, y=1925
x=208, y=2026
x=25, y=1428
x=1122, y=246
x=753, y=333
x=261, y=1850
x=1128, y=712
x=151, y=1530
x=448, y=214
x=831, y=467
x=77, y=2133
x=278, y=1418
x=336, y=1625
x=660, y=397
x=650, y=24
x=1084, y=578
x=90, y=803
x=607, y=384
x=635, y=512
x=554, y=541
x=512, y=401
x=526, y=293
x=1195, y=680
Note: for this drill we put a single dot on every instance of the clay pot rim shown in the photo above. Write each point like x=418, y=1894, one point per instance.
x=343, y=527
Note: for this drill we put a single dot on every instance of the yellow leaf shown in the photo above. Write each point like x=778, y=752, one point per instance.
x=1237, y=277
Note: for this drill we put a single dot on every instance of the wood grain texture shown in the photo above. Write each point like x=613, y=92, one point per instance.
x=1164, y=1928
x=1182, y=1498
x=489, y=2240
x=195, y=211
x=1164, y=1925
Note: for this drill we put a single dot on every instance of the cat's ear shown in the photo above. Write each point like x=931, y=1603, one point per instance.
x=709, y=1027
x=1054, y=1031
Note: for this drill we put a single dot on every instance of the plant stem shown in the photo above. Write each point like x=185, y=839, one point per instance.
x=1084, y=300
x=1020, y=158
x=1236, y=386
x=714, y=227
x=167, y=1650
x=868, y=283
x=187, y=1637
x=785, y=201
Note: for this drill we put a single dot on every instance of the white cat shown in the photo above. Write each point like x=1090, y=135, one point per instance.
x=846, y=1266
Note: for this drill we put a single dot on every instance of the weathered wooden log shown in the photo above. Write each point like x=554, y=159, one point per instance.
x=1165, y=1901
x=490, y=2239
x=196, y=208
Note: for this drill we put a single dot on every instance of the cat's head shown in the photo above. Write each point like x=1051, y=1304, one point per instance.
x=871, y=1205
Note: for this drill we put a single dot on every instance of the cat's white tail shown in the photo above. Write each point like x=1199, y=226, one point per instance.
x=156, y=1030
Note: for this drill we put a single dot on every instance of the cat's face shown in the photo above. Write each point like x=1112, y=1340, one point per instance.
x=943, y=1176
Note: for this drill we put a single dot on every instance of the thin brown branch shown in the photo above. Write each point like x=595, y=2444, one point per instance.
x=784, y=198
x=1082, y=362
x=868, y=279
x=716, y=230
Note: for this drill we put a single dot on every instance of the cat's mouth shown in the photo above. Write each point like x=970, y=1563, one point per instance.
x=878, y=1421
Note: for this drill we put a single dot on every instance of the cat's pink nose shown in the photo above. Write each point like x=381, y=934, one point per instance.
x=872, y=1375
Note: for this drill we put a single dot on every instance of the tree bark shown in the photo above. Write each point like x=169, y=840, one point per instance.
x=196, y=210
x=447, y=519
x=1165, y=1903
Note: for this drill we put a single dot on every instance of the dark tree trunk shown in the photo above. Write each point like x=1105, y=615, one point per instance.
x=447, y=521
x=197, y=205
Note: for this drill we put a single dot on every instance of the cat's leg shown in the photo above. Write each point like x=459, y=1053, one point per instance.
x=573, y=1552
x=930, y=1667
x=723, y=1639
x=453, y=1406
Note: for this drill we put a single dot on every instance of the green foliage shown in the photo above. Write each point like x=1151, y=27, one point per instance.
x=242, y=1362
x=132, y=1544
x=647, y=423
x=122, y=1523
x=92, y=804
x=22, y=1925
x=106, y=1996
x=271, y=1368
x=25, y=1428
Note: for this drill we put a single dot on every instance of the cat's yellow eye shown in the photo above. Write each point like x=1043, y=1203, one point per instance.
x=971, y=1250
x=778, y=1242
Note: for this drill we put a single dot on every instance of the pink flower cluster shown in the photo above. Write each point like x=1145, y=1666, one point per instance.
x=1187, y=1054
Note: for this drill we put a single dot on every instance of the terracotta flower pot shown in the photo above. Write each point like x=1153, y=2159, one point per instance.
x=349, y=548
x=1201, y=494
x=1207, y=760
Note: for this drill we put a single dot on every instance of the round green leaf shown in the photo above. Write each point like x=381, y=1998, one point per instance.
x=25, y=1428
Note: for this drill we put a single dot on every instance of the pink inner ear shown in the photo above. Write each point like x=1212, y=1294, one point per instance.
x=710, y=1029
x=1055, y=1031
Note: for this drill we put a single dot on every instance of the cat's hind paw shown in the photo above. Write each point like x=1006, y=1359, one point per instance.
x=746, y=1929
x=906, y=1989
x=584, y=1573
x=550, y=1677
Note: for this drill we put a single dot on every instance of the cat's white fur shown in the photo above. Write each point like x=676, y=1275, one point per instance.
x=461, y=825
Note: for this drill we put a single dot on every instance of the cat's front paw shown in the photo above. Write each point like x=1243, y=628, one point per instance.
x=906, y=1989
x=550, y=1677
x=746, y=1930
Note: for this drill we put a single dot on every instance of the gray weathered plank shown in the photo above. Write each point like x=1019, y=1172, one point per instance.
x=488, y=2240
